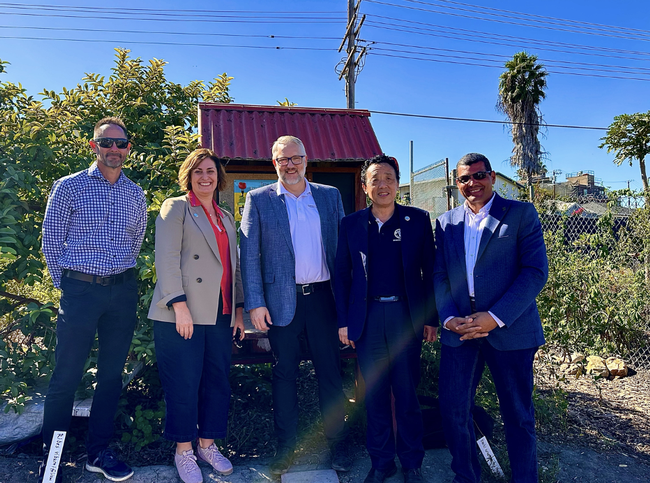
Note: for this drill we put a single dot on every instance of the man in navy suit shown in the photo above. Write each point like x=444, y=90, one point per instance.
x=490, y=265
x=385, y=305
x=289, y=232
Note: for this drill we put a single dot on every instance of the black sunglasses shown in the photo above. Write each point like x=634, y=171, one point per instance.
x=121, y=143
x=478, y=176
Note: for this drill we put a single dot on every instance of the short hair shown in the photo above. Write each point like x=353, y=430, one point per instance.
x=285, y=140
x=192, y=161
x=473, y=158
x=379, y=159
x=110, y=120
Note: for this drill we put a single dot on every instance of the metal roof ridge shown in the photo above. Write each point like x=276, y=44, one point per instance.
x=287, y=109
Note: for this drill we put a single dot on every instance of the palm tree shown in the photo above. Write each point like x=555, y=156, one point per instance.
x=521, y=89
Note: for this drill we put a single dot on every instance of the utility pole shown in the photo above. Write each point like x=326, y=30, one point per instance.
x=349, y=69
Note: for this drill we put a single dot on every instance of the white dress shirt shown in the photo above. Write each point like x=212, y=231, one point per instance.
x=306, y=238
x=473, y=231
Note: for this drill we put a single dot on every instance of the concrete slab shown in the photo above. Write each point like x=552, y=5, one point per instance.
x=317, y=476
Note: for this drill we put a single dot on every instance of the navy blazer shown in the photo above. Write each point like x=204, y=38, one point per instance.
x=268, y=264
x=351, y=280
x=511, y=269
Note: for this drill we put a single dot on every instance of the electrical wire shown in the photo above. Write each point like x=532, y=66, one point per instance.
x=150, y=32
x=473, y=35
x=490, y=121
x=644, y=37
x=475, y=64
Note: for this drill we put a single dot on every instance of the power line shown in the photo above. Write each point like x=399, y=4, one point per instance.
x=490, y=121
x=534, y=15
x=203, y=19
x=184, y=44
x=504, y=57
x=474, y=64
x=500, y=39
x=509, y=22
x=161, y=32
x=172, y=12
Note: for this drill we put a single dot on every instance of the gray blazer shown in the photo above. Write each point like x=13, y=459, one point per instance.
x=268, y=260
x=188, y=262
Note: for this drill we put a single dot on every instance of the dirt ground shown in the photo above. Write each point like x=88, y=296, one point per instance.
x=605, y=438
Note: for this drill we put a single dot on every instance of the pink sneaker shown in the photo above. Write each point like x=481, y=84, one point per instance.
x=213, y=456
x=187, y=468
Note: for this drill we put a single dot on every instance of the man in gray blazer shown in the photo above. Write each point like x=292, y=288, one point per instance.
x=289, y=232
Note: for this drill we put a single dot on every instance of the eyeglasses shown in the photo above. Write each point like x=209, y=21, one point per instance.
x=295, y=160
x=478, y=176
x=121, y=143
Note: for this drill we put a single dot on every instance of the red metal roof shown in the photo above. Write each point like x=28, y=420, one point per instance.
x=247, y=132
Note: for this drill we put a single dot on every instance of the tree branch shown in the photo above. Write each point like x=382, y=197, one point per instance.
x=19, y=298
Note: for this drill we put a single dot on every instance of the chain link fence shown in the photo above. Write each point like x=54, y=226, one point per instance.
x=598, y=289
x=428, y=188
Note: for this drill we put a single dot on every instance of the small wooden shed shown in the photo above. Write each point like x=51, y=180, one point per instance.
x=337, y=142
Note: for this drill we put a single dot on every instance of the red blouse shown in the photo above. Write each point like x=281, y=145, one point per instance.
x=224, y=252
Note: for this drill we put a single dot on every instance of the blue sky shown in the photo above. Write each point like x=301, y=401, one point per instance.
x=482, y=34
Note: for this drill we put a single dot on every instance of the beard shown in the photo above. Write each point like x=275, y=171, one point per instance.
x=112, y=160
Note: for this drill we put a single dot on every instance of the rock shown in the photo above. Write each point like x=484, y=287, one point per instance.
x=16, y=427
x=577, y=357
x=574, y=370
x=616, y=366
x=596, y=367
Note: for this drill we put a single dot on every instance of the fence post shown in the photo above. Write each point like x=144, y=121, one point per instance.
x=411, y=172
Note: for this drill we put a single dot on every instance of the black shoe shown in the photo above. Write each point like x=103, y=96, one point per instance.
x=412, y=475
x=341, y=456
x=281, y=462
x=378, y=476
x=107, y=464
x=41, y=472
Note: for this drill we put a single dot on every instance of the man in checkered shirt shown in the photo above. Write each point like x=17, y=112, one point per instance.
x=93, y=228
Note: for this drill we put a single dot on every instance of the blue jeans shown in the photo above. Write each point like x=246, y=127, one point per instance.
x=388, y=352
x=194, y=374
x=512, y=371
x=87, y=309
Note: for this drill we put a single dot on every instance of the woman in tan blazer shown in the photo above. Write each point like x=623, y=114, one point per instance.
x=197, y=308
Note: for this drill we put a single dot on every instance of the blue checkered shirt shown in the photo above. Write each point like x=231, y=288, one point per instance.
x=92, y=226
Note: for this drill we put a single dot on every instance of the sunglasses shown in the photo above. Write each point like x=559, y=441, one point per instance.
x=478, y=176
x=120, y=143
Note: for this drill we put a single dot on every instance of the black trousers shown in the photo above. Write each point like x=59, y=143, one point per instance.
x=315, y=317
x=388, y=352
x=86, y=310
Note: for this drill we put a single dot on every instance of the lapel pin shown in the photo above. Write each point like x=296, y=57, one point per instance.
x=196, y=214
x=407, y=218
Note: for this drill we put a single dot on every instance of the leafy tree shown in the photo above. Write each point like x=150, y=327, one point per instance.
x=629, y=137
x=521, y=89
x=42, y=140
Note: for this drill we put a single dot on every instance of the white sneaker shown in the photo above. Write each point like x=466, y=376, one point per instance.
x=214, y=457
x=187, y=468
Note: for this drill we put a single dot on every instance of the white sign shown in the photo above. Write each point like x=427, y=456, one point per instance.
x=488, y=454
x=54, y=458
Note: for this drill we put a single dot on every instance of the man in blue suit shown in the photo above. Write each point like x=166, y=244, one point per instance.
x=385, y=305
x=490, y=265
x=289, y=232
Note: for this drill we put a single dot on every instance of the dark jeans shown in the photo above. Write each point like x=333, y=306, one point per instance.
x=388, y=352
x=315, y=317
x=86, y=309
x=512, y=371
x=194, y=375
